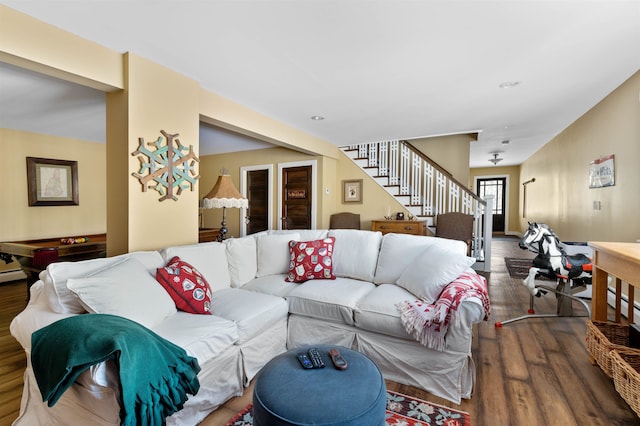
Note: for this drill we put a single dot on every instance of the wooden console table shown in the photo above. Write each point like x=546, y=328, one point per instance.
x=620, y=260
x=206, y=235
x=414, y=227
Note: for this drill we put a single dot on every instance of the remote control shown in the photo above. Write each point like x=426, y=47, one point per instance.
x=316, y=359
x=304, y=360
x=339, y=362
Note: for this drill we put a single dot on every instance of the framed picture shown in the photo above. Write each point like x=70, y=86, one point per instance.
x=352, y=191
x=602, y=172
x=52, y=182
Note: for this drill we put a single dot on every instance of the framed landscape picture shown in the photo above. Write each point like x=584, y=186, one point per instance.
x=352, y=191
x=52, y=182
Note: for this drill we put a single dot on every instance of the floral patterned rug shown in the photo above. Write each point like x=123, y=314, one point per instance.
x=402, y=410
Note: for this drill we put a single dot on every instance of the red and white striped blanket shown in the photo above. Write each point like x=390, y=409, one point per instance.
x=428, y=323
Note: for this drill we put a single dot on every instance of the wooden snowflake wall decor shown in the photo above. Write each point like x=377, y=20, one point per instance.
x=168, y=167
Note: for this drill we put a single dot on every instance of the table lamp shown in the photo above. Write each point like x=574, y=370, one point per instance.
x=224, y=195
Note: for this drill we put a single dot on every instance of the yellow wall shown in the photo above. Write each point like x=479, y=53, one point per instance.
x=560, y=196
x=18, y=221
x=513, y=203
x=331, y=173
x=41, y=47
x=156, y=98
x=376, y=202
x=210, y=166
x=450, y=152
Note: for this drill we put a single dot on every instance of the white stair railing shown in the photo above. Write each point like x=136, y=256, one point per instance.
x=430, y=189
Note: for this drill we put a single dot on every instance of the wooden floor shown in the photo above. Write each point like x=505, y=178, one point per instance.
x=530, y=372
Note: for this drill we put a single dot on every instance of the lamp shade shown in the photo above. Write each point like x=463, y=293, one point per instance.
x=224, y=194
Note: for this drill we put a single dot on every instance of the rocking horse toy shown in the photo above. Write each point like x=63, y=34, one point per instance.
x=553, y=262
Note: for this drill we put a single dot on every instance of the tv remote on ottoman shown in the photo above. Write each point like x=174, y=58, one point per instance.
x=339, y=362
x=316, y=359
x=304, y=360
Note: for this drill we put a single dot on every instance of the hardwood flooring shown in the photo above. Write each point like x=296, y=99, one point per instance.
x=531, y=372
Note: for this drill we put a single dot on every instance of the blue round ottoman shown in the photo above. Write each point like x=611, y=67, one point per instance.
x=287, y=394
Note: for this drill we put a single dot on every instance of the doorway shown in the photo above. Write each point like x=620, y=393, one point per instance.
x=296, y=195
x=496, y=187
x=256, y=184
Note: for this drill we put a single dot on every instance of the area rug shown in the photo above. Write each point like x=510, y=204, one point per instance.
x=402, y=410
x=519, y=268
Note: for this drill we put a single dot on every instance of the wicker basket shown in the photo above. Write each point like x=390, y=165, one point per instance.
x=602, y=338
x=626, y=376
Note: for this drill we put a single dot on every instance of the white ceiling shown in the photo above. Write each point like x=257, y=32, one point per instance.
x=376, y=70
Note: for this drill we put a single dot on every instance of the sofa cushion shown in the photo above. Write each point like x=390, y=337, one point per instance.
x=275, y=285
x=432, y=270
x=273, y=253
x=202, y=336
x=355, y=253
x=62, y=300
x=187, y=287
x=398, y=251
x=252, y=312
x=242, y=257
x=126, y=289
x=304, y=234
x=377, y=311
x=311, y=260
x=209, y=258
x=331, y=300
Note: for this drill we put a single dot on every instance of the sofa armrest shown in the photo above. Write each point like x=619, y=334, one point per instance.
x=35, y=316
x=460, y=333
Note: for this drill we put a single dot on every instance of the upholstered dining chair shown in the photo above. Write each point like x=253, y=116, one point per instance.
x=344, y=220
x=455, y=226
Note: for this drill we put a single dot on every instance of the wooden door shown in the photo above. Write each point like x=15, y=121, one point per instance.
x=296, y=197
x=258, y=196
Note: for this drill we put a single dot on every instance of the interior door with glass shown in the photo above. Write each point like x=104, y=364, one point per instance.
x=495, y=187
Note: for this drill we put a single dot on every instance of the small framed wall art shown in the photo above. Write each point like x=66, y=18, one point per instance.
x=602, y=172
x=52, y=182
x=352, y=191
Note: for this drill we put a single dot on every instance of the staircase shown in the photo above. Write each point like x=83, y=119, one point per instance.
x=425, y=189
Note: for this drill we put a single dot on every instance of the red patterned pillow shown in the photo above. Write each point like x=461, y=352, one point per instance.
x=186, y=286
x=311, y=260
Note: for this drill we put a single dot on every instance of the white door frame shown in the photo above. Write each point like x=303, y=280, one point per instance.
x=314, y=206
x=244, y=188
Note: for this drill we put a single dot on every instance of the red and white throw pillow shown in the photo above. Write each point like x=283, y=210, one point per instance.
x=186, y=286
x=311, y=260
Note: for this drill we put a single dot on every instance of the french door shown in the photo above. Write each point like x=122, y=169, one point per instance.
x=496, y=187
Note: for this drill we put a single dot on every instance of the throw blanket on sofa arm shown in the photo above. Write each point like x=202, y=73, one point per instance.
x=155, y=375
x=428, y=323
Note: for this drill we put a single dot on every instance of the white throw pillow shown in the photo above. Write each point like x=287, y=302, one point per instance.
x=273, y=253
x=398, y=251
x=57, y=274
x=243, y=261
x=125, y=289
x=355, y=254
x=431, y=271
x=208, y=258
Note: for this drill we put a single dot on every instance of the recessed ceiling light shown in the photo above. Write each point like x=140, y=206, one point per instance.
x=317, y=117
x=509, y=84
x=505, y=142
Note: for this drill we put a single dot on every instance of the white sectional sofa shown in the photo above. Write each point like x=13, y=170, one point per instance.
x=255, y=315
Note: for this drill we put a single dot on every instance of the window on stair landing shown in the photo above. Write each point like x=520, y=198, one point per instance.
x=497, y=188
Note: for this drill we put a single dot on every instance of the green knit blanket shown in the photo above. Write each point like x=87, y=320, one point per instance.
x=155, y=375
